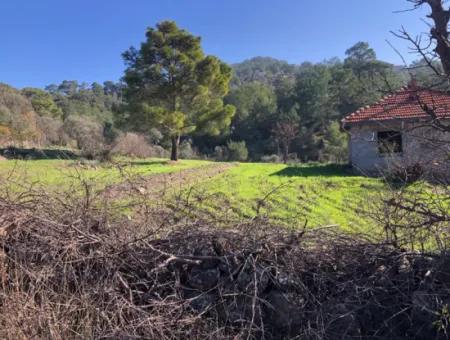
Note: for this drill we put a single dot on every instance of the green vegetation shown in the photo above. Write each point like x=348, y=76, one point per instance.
x=173, y=86
x=57, y=173
x=291, y=195
x=318, y=195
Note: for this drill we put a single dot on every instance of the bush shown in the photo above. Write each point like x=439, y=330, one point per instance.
x=52, y=128
x=88, y=135
x=220, y=153
x=186, y=151
x=71, y=270
x=237, y=151
x=136, y=145
x=271, y=159
x=406, y=174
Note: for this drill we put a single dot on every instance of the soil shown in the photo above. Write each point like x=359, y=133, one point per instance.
x=154, y=185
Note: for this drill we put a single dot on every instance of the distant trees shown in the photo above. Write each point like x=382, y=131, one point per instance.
x=314, y=97
x=264, y=70
x=42, y=102
x=172, y=85
x=172, y=91
x=18, y=121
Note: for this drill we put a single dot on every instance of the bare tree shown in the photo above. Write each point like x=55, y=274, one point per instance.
x=433, y=47
x=285, y=132
x=422, y=216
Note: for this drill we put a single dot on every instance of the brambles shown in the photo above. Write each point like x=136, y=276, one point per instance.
x=73, y=265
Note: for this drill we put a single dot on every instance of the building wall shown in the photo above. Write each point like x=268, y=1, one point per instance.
x=421, y=145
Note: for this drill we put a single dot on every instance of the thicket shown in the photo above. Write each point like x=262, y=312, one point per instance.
x=73, y=266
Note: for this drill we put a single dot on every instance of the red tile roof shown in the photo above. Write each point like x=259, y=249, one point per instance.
x=404, y=104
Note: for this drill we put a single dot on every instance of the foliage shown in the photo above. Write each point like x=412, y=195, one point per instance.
x=42, y=102
x=271, y=159
x=256, y=106
x=87, y=133
x=187, y=151
x=136, y=145
x=173, y=86
x=237, y=151
x=335, y=144
x=17, y=117
x=94, y=100
x=263, y=70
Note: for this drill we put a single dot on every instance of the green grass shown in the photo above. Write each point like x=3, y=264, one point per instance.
x=291, y=195
x=319, y=195
x=57, y=173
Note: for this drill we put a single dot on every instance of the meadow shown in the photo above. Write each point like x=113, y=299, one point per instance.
x=293, y=195
x=289, y=195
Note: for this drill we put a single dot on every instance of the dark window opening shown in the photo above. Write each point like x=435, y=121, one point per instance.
x=390, y=142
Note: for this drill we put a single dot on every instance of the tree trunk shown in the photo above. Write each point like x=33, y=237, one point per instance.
x=285, y=153
x=174, y=152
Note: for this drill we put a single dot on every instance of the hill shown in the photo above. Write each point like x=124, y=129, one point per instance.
x=18, y=120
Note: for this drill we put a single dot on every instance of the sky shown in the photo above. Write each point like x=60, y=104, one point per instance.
x=47, y=41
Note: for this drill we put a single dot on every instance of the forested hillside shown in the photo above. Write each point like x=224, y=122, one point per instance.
x=282, y=110
x=66, y=115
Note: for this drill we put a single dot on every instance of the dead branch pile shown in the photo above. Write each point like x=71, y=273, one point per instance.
x=70, y=269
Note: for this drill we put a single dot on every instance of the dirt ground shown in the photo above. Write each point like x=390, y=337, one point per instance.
x=158, y=184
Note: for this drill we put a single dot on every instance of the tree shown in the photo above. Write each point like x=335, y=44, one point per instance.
x=360, y=57
x=261, y=69
x=256, y=107
x=172, y=85
x=435, y=53
x=335, y=144
x=285, y=132
x=42, y=102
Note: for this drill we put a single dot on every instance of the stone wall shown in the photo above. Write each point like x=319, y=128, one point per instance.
x=423, y=145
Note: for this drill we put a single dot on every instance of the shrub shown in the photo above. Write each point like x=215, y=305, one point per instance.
x=406, y=174
x=186, y=151
x=237, y=151
x=88, y=135
x=220, y=153
x=271, y=159
x=71, y=270
x=136, y=145
x=53, y=133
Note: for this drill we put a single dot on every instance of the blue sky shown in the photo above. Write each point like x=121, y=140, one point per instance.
x=47, y=41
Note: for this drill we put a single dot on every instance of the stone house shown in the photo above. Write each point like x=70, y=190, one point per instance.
x=399, y=131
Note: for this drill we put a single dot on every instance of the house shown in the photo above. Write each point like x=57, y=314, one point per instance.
x=398, y=131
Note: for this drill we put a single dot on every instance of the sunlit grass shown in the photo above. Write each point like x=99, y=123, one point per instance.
x=61, y=173
x=319, y=195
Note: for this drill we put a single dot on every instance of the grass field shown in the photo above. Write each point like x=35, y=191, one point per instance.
x=318, y=195
x=57, y=173
x=293, y=195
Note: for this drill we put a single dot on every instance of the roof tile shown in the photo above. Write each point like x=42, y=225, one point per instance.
x=405, y=104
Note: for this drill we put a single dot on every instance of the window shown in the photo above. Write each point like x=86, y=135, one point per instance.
x=389, y=142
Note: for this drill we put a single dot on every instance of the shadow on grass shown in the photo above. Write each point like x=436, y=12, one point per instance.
x=149, y=163
x=29, y=154
x=328, y=170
